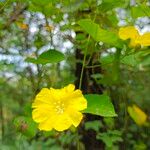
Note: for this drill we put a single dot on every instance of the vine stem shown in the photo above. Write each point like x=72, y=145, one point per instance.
x=84, y=64
x=84, y=59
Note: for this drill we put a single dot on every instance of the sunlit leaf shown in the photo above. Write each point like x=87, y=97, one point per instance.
x=99, y=34
x=140, y=11
x=99, y=105
x=130, y=60
x=108, y=5
x=51, y=56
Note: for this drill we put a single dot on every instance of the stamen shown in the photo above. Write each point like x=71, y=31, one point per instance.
x=59, y=107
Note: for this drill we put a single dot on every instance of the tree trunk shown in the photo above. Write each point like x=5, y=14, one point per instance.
x=89, y=85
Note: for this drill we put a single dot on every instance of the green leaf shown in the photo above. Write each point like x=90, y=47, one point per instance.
x=140, y=11
x=50, y=56
x=106, y=60
x=110, y=137
x=99, y=105
x=94, y=125
x=136, y=59
x=31, y=60
x=72, y=6
x=146, y=61
x=108, y=5
x=130, y=60
x=45, y=6
x=41, y=3
x=99, y=34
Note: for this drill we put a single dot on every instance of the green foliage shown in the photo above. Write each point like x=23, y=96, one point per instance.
x=99, y=34
x=66, y=139
x=108, y=5
x=50, y=56
x=109, y=122
x=110, y=137
x=26, y=126
x=140, y=11
x=136, y=59
x=107, y=59
x=130, y=60
x=99, y=105
x=72, y=6
x=46, y=7
x=94, y=125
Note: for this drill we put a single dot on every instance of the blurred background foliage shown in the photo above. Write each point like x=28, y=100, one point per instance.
x=30, y=27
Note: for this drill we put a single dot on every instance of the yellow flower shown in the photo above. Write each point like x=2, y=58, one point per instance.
x=58, y=108
x=144, y=39
x=132, y=33
x=129, y=32
x=137, y=114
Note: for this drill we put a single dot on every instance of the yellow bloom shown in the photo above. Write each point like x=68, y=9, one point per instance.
x=129, y=32
x=132, y=33
x=58, y=108
x=144, y=39
x=137, y=114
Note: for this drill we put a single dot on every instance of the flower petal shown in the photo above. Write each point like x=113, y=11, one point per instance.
x=47, y=124
x=128, y=32
x=70, y=88
x=62, y=123
x=41, y=113
x=144, y=40
x=79, y=103
x=44, y=96
x=138, y=115
x=134, y=42
x=77, y=100
x=57, y=93
x=75, y=116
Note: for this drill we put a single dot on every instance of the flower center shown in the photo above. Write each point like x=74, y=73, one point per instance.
x=59, y=107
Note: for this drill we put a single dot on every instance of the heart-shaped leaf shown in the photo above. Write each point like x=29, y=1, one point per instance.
x=99, y=105
x=50, y=56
